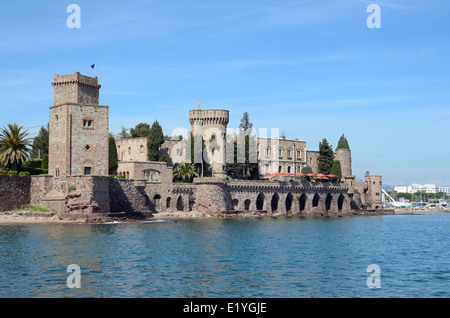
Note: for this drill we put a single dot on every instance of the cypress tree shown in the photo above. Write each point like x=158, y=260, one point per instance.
x=336, y=169
x=343, y=143
x=155, y=140
x=326, y=157
x=113, y=157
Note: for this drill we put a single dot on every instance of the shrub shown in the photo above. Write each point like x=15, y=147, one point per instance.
x=35, y=171
x=120, y=176
x=24, y=173
x=3, y=172
x=71, y=188
x=13, y=173
x=34, y=163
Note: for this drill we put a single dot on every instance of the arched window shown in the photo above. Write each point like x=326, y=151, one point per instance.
x=142, y=148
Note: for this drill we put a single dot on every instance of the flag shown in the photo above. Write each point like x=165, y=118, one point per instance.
x=93, y=65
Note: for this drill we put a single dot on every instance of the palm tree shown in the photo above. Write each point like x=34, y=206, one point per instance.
x=14, y=146
x=185, y=171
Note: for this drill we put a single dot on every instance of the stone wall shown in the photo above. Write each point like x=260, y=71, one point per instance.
x=292, y=159
x=132, y=149
x=125, y=196
x=40, y=186
x=14, y=191
x=75, y=88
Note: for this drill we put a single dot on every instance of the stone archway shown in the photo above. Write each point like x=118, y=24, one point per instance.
x=328, y=200
x=274, y=202
x=340, y=202
x=168, y=200
x=260, y=202
x=235, y=203
x=288, y=202
x=247, y=204
x=315, y=200
x=180, y=205
x=302, y=202
x=157, y=202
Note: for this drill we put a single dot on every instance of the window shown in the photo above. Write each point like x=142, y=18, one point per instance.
x=87, y=171
x=280, y=168
x=289, y=153
x=267, y=151
x=57, y=172
x=289, y=170
x=299, y=154
x=88, y=123
x=142, y=148
x=280, y=152
x=129, y=150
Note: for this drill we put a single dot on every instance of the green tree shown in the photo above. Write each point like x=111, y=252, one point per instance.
x=14, y=146
x=326, y=157
x=185, y=172
x=343, y=143
x=124, y=133
x=245, y=122
x=45, y=162
x=306, y=170
x=336, y=169
x=40, y=143
x=249, y=169
x=141, y=130
x=113, y=159
x=155, y=140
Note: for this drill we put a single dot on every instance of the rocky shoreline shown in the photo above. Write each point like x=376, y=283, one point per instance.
x=27, y=217
x=23, y=217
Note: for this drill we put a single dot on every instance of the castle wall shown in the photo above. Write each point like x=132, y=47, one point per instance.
x=132, y=149
x=312, y=160
x=74, y=146
x=124, y=196
x=281, y=155
x=207, y=123
x=14, y=191
x=75, y=88
x=345, y=158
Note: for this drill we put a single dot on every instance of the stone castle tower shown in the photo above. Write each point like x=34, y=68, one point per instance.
x=78, y=128
x=345, y=158
x=212, y=125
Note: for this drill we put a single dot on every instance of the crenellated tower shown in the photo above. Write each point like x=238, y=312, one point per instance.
x=212, y=125
x=78, y=128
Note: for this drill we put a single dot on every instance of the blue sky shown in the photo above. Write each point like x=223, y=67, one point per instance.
x=313, y=69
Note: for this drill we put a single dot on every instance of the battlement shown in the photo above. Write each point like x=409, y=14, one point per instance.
x=209, y=116
x=76, y=89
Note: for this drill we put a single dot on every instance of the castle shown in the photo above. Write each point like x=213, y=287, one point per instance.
x=77, y=183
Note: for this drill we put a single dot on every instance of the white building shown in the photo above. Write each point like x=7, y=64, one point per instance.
x=424, y=188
